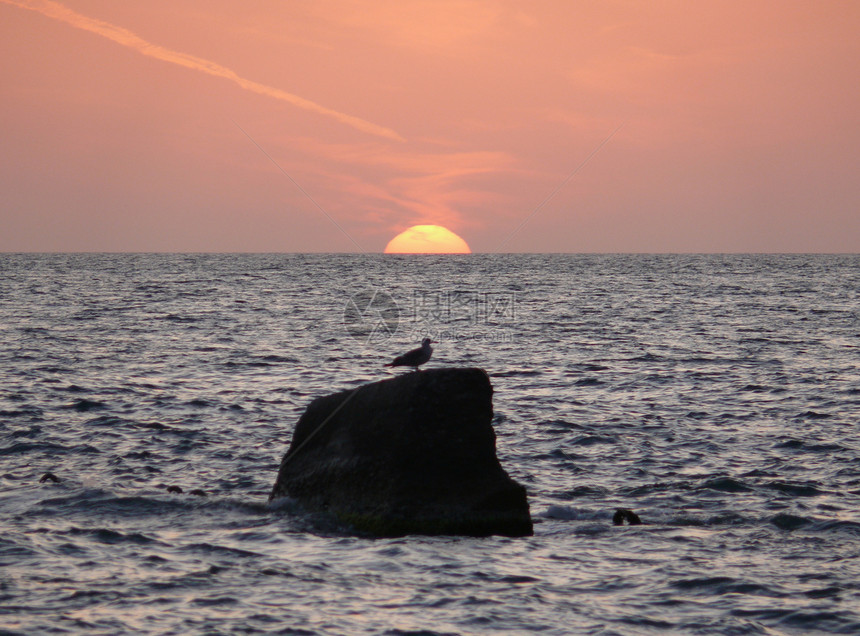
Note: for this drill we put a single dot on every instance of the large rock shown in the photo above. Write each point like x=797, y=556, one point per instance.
x=415, y=454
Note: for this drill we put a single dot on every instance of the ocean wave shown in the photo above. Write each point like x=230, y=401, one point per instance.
x=698, y=391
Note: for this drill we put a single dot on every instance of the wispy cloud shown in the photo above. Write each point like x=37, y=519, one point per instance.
x=402, y=185
x=127, y=38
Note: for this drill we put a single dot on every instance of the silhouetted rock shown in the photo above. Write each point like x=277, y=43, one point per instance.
x=415, y=454
x=623, y=514
x=49, y=477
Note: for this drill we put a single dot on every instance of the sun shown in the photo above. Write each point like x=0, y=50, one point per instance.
x=427, y=239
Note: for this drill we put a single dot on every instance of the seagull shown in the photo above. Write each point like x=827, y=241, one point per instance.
x=414, y=358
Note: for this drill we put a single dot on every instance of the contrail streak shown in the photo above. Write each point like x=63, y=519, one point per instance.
x=131, y=40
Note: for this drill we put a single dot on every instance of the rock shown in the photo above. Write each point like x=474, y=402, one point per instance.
x=623, y=514
x=415, y=454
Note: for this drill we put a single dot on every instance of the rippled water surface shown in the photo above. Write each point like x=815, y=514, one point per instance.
x=717, y=396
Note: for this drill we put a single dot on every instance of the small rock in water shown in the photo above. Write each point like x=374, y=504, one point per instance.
x=623, y=514
x=197, y=492
x=175, y=489
x=49, y=477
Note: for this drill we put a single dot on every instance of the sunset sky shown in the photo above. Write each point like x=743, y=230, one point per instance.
x=333, y=125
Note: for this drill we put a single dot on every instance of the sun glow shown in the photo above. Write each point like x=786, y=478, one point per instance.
x=427, y=239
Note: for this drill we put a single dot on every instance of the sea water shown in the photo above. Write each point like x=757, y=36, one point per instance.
x=716, y=396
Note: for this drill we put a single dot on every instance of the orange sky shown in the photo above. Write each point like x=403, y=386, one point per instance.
x=172, y=126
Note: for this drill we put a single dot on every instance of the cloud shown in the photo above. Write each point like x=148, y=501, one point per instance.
x=131, y=40
x=400, y=186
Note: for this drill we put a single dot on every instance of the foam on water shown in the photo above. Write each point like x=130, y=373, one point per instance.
x=717, y=396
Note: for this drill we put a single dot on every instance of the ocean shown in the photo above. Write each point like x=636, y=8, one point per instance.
x=718, y=397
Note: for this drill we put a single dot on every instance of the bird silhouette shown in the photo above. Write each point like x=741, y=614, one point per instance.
x=414, y=358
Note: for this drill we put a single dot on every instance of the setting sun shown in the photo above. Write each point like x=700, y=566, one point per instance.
x=427, y=239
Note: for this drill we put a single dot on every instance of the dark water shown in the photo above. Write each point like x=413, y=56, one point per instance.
x=718, y=397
